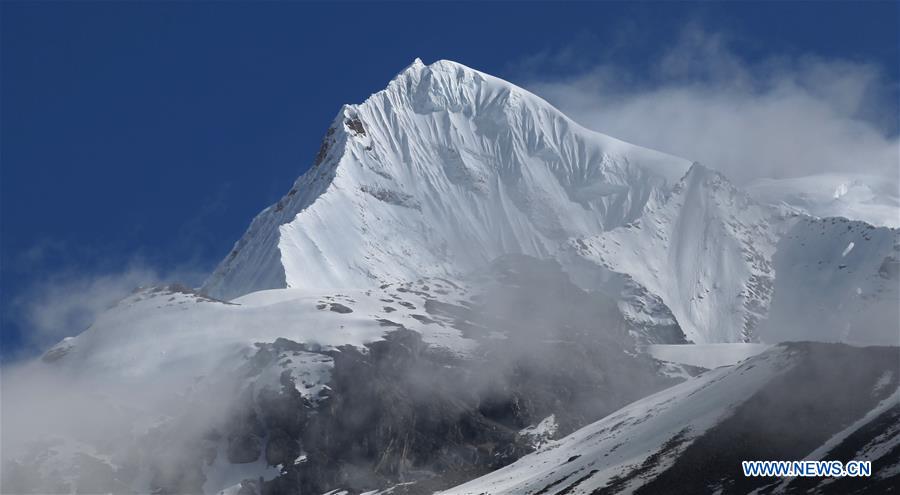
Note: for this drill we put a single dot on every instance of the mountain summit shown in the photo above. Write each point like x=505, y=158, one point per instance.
x=438, y=174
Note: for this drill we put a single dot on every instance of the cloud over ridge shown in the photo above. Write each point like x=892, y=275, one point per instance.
x=775, y=116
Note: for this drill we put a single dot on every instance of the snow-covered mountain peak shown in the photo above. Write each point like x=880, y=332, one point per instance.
x=464, y=275
x=449, y=85
x=417, y=63
x=438, y=174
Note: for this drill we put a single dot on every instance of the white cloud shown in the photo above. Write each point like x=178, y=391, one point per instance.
x=65, y=304
x=779, y=116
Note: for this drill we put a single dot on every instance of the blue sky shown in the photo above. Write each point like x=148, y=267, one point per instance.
x=138, y=140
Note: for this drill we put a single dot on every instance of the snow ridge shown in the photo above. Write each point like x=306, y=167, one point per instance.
x=705, y=250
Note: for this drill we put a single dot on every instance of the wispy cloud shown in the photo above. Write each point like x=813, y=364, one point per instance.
x=63, y=286
x=64, y=304
x=781, y=115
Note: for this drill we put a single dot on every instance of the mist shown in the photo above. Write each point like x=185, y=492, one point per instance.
x=546, y=349
x=105, y=434
x=81, y=423
x=400, y=410
x=65, y=303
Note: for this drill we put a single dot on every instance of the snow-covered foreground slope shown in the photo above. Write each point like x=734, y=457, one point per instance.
x=440, y=173
x=661, y=425
x=874, y=200
x=680, y=440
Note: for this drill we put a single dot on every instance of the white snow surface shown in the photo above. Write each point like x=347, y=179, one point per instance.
x=541, y=433
x=448, y=168
x=733, y=270
x=438, y=174
x=156, y=332
x=621, y=442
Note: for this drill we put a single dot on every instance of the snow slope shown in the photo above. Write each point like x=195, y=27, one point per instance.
x=661, y=425
x=704, y=250
x=159, y=331
x=837, y=281
x=690, y=438
x=733, y=270
x=438, y=174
